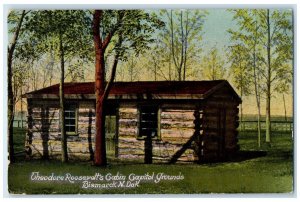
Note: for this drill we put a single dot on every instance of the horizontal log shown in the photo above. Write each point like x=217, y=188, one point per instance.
x=131, y=156
x=128, y=110
x=128, y=115
x=86, y=120
x=177, y=110
x=87, y=109
x=178, y=116
x=175, y=140
x=56, y=145
x=135, y=151
x=38, y=129
x=179, y=133
x=166, y=124
x=131, y=144
x=129, y=140
x=40, y=109
x=128, y=132
x=127, y=123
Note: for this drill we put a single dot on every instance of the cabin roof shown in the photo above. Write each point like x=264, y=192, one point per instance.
x=123, y=89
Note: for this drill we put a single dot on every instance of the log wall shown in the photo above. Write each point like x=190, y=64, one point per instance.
x=220, y=122
x=44, y=139
x=176, y=129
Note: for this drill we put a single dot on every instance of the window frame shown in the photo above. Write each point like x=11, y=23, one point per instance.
x=158, y=133
x=75, y=107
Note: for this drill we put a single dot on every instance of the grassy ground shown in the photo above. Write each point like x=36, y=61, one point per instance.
x=253, y=172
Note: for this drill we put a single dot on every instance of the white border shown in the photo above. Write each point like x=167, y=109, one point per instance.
x=6, y=4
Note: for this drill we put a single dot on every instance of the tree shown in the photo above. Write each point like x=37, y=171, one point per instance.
x=181, y=38
x=18, y=20
x=126, y=31
x=213, y=65
x=277, y=39
x=247, y=39
x=267, y=36
x=241, y=72
x=66, y=32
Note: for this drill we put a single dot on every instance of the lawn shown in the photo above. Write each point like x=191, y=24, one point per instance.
x=267, y=171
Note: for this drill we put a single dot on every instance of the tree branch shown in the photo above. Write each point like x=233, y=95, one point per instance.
x=114, y=69
x=113, y=31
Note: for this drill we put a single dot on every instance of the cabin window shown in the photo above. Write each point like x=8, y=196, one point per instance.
x=148, y=125
x=70, y=120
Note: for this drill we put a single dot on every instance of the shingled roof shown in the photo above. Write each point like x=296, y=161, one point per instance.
x=123, y=89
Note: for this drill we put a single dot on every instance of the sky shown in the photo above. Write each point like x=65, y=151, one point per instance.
x=217, y=22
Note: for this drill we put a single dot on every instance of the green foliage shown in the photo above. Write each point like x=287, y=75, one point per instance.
x=252, y=36
x=44, y=29
x=131, y=30
x=240, y=68
x=214, y=68
x=72, y=25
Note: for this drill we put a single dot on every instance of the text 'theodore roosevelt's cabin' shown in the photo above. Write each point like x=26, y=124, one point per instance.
x=165, y=121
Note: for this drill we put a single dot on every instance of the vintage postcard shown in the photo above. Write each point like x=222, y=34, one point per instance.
x=150, y=101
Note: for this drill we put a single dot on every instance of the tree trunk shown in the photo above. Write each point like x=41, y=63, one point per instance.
x=185, y=45
x=10, y=101
x=258, y=127
x=285, y=117
x=268, y=93
x=100, y=151
x=64, y=146
x=242, y=125
x=173, y=48
x=21, y=92
x=257, y=96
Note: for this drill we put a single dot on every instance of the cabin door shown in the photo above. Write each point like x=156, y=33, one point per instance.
x=221, y=131
x=110, y=135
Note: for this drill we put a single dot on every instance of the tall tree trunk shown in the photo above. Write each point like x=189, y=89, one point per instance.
x=100, y=151
x=185, y=45
x=155, y=71
x=285, y=117
x=242, y=125
x=173, y=48
x=257, y=96
x=268, y=93
x=21, y=89
x=10, y=102
x=257, y=91
x=169, y=66
x=182, y=47
x=283, y=97
x=64, y=146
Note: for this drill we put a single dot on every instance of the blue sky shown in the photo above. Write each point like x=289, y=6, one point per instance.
x=217, y=22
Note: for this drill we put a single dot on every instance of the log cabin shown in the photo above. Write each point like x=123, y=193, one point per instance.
x=149, y=121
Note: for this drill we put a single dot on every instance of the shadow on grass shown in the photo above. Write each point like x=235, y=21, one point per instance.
x=246, y=155
x=240, y=156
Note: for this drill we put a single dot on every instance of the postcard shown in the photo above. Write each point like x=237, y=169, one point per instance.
x=150, y=101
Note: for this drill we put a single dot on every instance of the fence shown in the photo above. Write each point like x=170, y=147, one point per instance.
x=286, y=126
x=19, y=123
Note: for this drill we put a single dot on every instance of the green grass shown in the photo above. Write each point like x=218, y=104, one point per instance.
x=270, y=173
x=19, y=139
